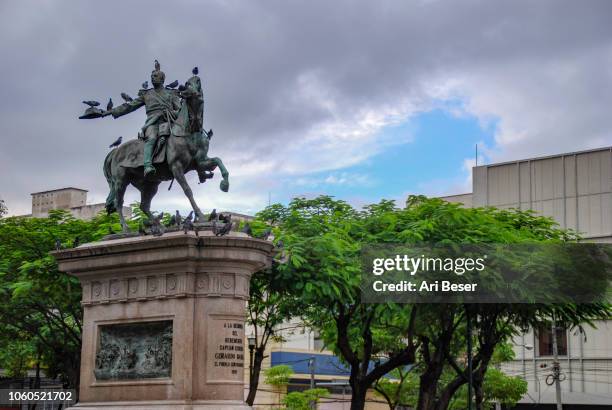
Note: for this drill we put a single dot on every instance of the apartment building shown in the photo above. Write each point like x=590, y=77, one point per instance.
x=73, y=200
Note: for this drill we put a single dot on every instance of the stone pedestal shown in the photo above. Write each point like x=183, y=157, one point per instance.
x=163, y=324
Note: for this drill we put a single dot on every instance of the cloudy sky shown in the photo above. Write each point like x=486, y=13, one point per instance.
x=361, y=100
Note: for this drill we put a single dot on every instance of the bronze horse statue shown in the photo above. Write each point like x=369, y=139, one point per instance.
x=182, y=151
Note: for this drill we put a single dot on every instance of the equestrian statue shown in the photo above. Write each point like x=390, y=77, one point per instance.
x=171, y=143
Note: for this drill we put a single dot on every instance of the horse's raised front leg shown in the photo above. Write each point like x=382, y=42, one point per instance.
x=179, y=176
x=224, y=185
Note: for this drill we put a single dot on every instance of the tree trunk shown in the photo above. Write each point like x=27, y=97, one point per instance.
x=74, y=376
x=479, y=377
x=358, y=395
x=447, y=394
x=254, y=375
x=37, y=379
x=428, y=386
x=478, y=394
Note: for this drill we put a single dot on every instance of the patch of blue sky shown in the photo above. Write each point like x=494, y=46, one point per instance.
x=440, y=142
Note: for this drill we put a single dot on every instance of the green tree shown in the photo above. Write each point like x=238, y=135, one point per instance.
x=40, y=312
x=268, y=307
x=323, y=238
x=278, y=377
x=17, y=357
x=399, y=388
x=303, y=399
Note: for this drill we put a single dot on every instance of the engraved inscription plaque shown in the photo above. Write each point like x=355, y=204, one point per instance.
x=129, y=351
x=225, y=361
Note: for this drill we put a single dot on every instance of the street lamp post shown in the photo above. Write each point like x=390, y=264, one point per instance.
x=252, y=341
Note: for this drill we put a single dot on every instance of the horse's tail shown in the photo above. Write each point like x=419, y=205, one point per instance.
x=112, y=194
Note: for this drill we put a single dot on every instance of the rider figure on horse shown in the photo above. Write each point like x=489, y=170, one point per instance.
x=162, y=106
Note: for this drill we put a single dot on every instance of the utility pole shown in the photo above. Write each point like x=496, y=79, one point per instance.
x=469, y=356
x=556, y=365
x=311, y=365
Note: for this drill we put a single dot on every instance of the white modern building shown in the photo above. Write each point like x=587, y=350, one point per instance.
x=575, y=189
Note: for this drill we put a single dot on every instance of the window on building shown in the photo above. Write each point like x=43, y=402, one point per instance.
x=545, y=341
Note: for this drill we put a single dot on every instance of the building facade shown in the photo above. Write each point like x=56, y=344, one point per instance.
x=73, y=200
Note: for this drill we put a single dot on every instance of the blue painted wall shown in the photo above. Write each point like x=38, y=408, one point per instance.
x=324, y=364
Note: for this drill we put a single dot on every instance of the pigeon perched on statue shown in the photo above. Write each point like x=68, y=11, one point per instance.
x=116, y=143
x=188, y=223
x=91, y=103
x=173, y=84
x=176, y=219
x=195, y=71
x=225, y=228
x=155, y=225
x=281, y=255
x=109, y=105
x=145, y=85
x=126, y=97
x=58, y=244
x=266, y=234
x=213, y=215
x=247, y=229
x=76, y=242
x=92, y=111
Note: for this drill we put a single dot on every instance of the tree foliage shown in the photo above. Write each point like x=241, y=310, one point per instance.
x=399, y=388
x=323, y=238
x=301, y=400
x=40, y=312
x=278, y=377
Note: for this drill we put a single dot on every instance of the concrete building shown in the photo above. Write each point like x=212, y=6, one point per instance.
x=575, y=189
x=64, y=198
x=70, y=199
